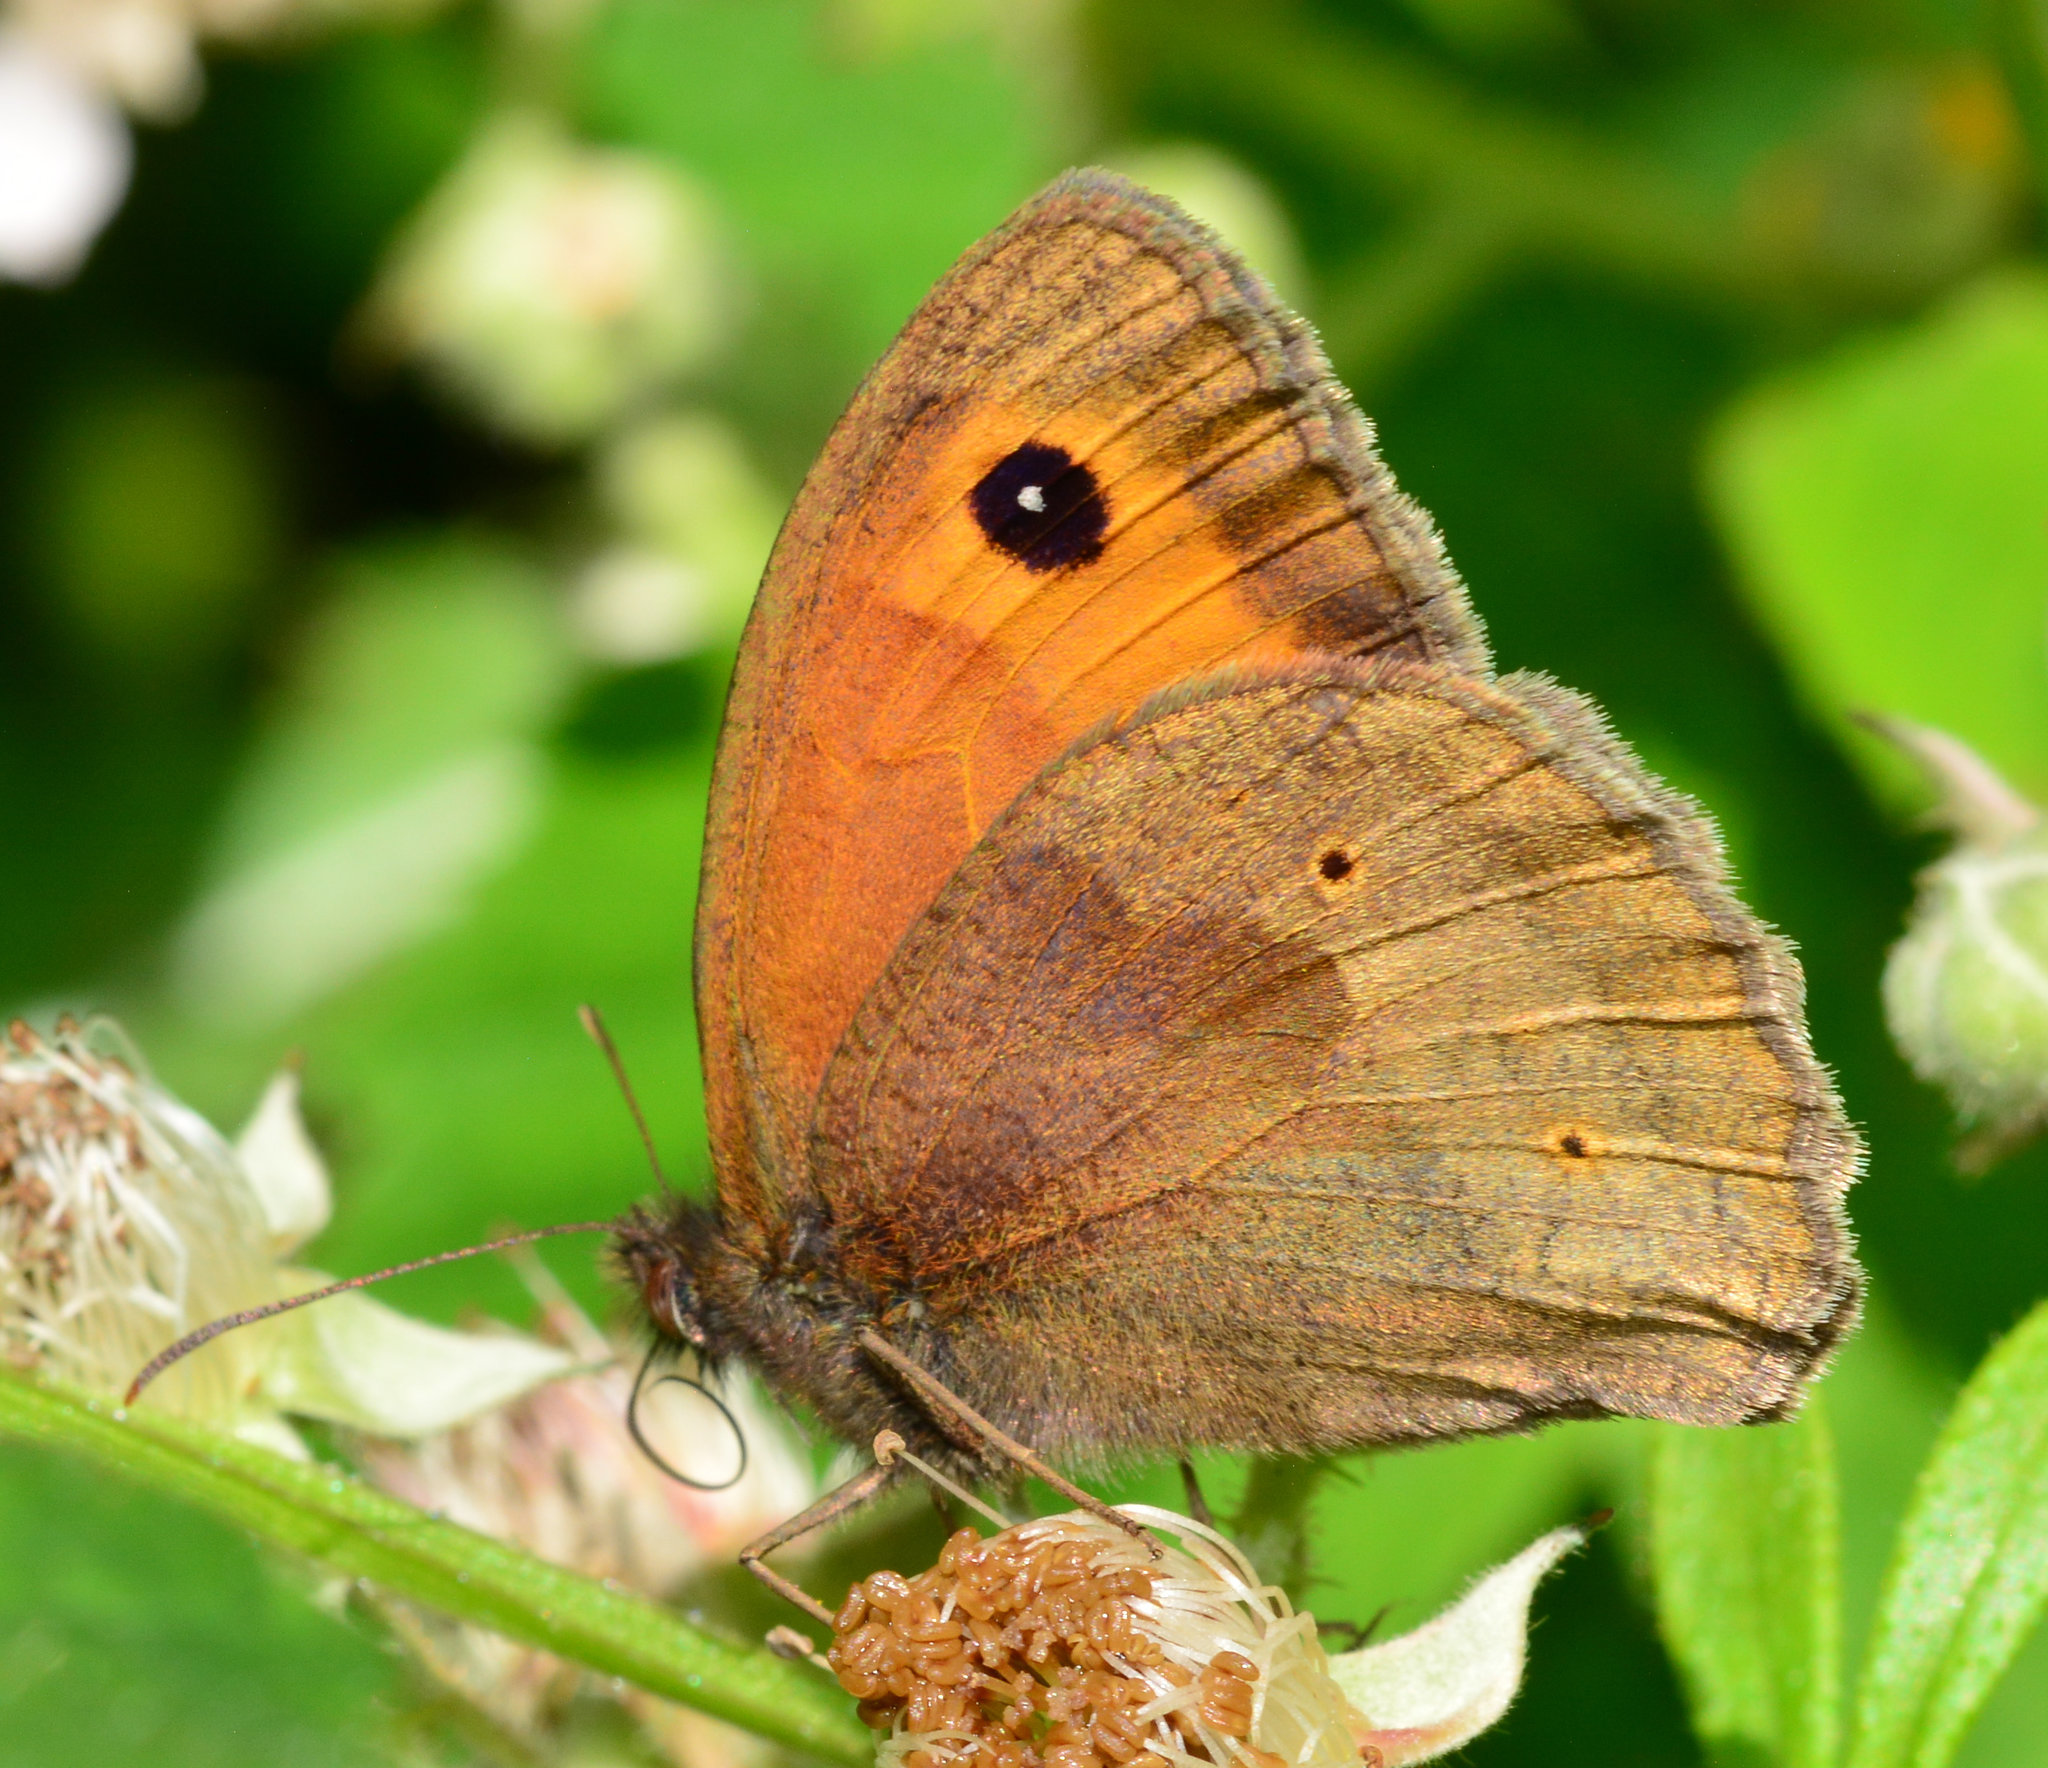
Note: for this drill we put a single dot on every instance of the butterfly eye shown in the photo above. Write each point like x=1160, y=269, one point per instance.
x=1336, y=865
x=672, y=1301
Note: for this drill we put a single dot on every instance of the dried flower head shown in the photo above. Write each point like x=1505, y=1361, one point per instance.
x=126, y=1220
x=1067, y=1643
x=1062, y=1643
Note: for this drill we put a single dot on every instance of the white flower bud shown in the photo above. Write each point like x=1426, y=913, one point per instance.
x=697, y=522
x=64, y=162
x=553, y=285
x=1966, y=988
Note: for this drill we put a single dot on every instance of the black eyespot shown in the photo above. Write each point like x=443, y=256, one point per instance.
x=1336, y=864
x=1572, y=1143
x=1043, y=507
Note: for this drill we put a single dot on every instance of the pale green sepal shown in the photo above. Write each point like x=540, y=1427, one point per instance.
x=268, y=1431
x=354, y=1361
x=1429, y=1691
x=284, y=1168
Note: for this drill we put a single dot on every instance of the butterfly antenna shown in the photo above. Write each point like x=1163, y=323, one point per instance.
x=249, y=1316
x=593, y=1022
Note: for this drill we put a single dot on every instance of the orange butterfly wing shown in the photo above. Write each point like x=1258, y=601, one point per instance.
x=1099, y=460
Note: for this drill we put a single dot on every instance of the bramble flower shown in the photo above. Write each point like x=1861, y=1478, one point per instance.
x=65, y=156
x=553, y=285
x=558, y=1473
x=145, y=53
x=126, y=1220
x=67, y=70
x=1063, y=1643
x=1966, y=987
x=694, y=520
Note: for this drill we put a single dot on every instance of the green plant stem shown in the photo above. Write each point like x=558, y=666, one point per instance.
x=2018, y=34
x=342, y=1523
x=1274, y=1521
x=534, y=50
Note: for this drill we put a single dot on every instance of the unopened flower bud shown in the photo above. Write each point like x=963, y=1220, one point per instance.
x=694, y=522
x=1966, y=988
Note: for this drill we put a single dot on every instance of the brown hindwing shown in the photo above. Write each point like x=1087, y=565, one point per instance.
x=1343, y=1054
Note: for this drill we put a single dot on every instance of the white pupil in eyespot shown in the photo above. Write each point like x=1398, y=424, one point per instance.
x=1032, y=498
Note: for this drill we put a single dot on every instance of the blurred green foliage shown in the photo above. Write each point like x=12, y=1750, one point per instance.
x=1713, y=335
x=1885, y=504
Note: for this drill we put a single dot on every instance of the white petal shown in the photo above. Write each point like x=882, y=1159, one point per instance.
x=64, y=163
x=1435, y=1688
x=354, y=1361
x=285, y=1169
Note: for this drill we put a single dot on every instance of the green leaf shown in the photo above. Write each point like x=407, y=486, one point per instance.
x=852, y=190
x=1746, y=1549
x=1969, y=1576
x=399, y=772
x=1885, y=507
x=351, y=1528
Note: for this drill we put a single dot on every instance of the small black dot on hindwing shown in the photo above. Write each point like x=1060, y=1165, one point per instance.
x=1042, y=507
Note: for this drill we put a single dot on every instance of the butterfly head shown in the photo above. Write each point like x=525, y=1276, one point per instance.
x=662, y=1257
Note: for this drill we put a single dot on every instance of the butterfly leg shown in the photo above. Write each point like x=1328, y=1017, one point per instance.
x=1198, y=1505
x=840, y=1501
x=1359, y=1632
x=943, y=1400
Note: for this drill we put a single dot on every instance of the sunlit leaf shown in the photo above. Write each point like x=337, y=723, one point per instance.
x=1745, y=1541
x=1969, y=1576
x=855, y=188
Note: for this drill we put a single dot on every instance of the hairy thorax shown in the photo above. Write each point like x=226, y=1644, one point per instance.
x=791, y=1315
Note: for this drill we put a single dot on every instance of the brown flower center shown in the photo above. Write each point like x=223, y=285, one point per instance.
x=1023, y=1652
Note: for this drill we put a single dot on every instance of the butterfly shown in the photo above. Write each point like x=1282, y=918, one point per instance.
x=1159, y=987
